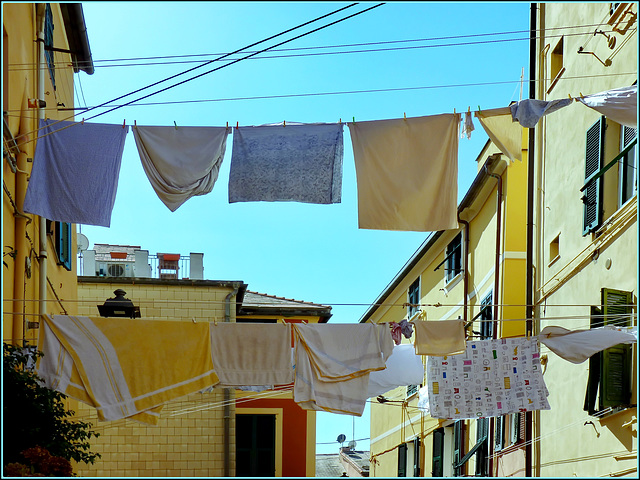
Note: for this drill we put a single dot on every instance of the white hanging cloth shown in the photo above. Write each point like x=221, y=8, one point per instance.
x=404, y=367
x=619, y=104
x=576, y=346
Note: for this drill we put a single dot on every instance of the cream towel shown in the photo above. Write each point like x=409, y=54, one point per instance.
x=407, y=173
x=124, y=368
x=181, y=162
x=503, y=131
x=333, y=363
x=247, y=354
x=441, y=337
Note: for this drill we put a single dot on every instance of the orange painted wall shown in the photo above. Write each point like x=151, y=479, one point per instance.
x=294, y=434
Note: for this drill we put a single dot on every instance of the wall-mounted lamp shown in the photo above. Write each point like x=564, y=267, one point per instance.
x=119, y=306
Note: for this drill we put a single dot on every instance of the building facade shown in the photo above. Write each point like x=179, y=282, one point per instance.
x=585, y=255
x=474, y=273
x=213, y=433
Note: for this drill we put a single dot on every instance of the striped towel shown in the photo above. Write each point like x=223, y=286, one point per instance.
x=124, y=368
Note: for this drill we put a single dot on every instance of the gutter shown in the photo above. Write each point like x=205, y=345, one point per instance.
x=227, y=395
x=76, y=30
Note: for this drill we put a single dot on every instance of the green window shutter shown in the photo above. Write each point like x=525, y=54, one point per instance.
x=594, y=367
x=402, y=460
x=48, y=42
x=499, y=433
x=457, y=447
x=615, y=369
x=63, y=244
x=416, y=457
x=593, y=192
x=437, y=467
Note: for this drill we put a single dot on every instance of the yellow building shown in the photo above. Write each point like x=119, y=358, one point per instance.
x=585, y=254
x=37, y=82
x=203, y=434
x=474, y=273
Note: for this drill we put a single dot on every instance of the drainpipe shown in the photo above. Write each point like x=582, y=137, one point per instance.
x=530, y=192
x=42, y=71
x=227, y=398
x=22, y=251
x=465, y=279
x=496, y=283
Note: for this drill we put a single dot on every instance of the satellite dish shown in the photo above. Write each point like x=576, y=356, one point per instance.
x=83, y=242
x=341, y=438
x=352, y=445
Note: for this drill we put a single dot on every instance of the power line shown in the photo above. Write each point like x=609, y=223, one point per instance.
x=217, y=59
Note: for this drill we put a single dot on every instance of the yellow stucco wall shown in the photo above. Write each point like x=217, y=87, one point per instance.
x=20, y=283
x=566, y=445
x=189, y=439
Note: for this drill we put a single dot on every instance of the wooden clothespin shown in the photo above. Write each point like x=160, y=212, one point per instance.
x=227, y=125
x=237, y=125
x=284, y=123
x=405, y=115
x=469, y=110
x=82, y=121
x=124, y=123
x=174, y=122
x=135, y=124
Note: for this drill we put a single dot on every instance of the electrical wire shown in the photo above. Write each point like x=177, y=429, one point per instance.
x=26, y=66
x=223, y=57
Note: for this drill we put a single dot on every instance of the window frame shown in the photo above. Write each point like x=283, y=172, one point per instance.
x=609, y=381
x=592, y=189
x=487, y=329
x=453, y=259
x=627, y=165
x=255, y=449
x=413, y=298
x=63, y=237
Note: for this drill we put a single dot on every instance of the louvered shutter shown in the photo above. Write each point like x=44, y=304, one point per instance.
x=593, y=381
x=416, y=457
x=593, y=194
x=457, y=447
x=616, y=361
x=499, y=434
x=437, y=467
x=402, y=460
x=63, y=244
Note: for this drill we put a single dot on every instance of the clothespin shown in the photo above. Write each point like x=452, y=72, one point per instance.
x=405, y=115
x=469, y=110
x=135, y=124
x=174, y=122
x=215, y=321
x=193, y=319
x=82, y=120
x=340, y=121
x=124, y=123
x=581, y=95
x=284, y=123
x=227, y=125
x=454, y=111
x=237, y=125
x=570, y=97
x=354, y=119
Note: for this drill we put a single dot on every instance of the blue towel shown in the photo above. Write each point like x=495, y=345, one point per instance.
x=75, y=172
x=292, y=162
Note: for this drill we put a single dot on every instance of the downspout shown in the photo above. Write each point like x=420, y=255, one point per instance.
x=227, y=398
x=530, y=198
x=465, y=279
x=496, y=286
x=42, y=71
x=23, y=252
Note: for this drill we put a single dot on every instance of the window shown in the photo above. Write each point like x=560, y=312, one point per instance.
x=437, y=466
x=453, y=260
x=554, y=250
x=592, y=197
x=62, y=243
x=486, y=317
x=414, y=298
x=412, y=390
x=605, y=189
x=48, y=42
x=402, y=460
x=255, y=445
x=556, y=63
x=499, y=433
x=609, y=381
x=509, y=430
x=628, y=171
x=458, y=449
x=482, y=451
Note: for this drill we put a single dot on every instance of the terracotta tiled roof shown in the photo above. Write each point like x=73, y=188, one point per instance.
x=254, y=303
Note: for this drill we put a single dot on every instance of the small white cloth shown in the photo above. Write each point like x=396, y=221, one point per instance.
x=467, y=125
x=576, y=346
x=423, y=399
x=529, y=111
x=619, y=104
x=403, y=367
x=181, y=162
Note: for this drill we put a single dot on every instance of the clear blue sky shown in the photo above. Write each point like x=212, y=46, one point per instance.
x=308, y=252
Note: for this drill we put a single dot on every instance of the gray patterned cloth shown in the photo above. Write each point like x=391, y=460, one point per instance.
x=287, y=162
x=529, y=111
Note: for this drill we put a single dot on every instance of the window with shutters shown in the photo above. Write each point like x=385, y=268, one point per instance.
x=609, y=380
x=437, y=465
x=486, y=317
x=402, y=460
x=592, y=194
x=628, y=165
x=48, y=43
x=413, y=298
x=453, y=262
x=62, y=242
x=482, y=451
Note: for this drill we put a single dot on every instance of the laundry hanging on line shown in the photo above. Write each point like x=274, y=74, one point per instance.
x=492, y=378
x=287, y=162
x=403, y=367
x=528, y=112
x=124, y=368
x=404, y=163
x=502, y=130
x=618, y=104
x=75, y=172
x=440, y=337
x=180, y=162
